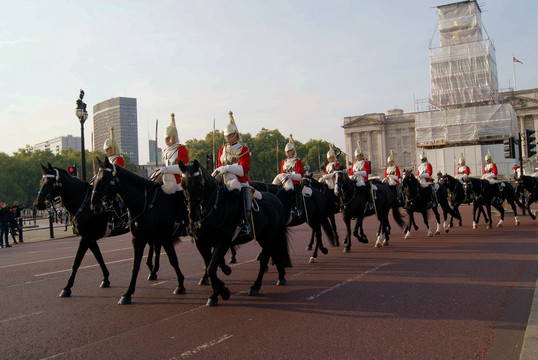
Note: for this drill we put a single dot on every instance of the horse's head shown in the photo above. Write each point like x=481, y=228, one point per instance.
x=105, y=186
x=469, y=190
x=49, y=186
x=192, y=183
x=339, y=182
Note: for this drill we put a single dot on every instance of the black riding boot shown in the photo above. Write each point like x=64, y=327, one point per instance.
x=432, y=193
x=500, y=196
x=297, y=210
x=245, y=232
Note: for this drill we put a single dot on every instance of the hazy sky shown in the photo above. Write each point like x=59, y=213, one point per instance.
x=296, y=66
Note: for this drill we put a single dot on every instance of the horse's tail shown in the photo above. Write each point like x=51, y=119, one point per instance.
x=396, y=214
x=325, y=223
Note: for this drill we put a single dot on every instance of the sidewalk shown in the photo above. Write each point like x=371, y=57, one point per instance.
x=529, y=349
x=41, y=232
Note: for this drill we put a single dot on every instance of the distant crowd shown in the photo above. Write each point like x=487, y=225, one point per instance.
x=10, y=223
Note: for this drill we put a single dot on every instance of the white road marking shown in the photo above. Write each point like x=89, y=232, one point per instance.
x=20, y=317
x=345, y=282
x=198, y=349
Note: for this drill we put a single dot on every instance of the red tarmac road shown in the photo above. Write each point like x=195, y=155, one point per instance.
x=461, y=295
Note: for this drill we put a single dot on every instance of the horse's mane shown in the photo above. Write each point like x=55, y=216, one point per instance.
x=74, y=179
x=135, y=178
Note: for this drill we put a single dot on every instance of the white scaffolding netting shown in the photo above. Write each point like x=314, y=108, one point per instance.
x=463, y=70
x=473, y=124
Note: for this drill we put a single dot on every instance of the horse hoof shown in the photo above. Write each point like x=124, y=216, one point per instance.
x=212, y=302
x=385, y=243
x=179, y=290
x=324, y=251
x=252, y=292
x=105, y=284
x=517, y=222
x=499, y=225
x=309, y=247
x=226, y=270
x=232, y=261
x=488, y=227
x=346, y=250
x=446, y=231
x=125, y=300
x=312, y=260
x=363, y=240
x=281, y=282
x=437, y=232
x=203, y=281
x=407, y=236
x=152, y=276
x=65, y=293
x=475, y=227
x=225, y=293
x=430, y=234
x=378, y=244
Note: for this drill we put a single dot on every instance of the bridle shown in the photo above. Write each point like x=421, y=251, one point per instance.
x=212, y=202
x=56, y=186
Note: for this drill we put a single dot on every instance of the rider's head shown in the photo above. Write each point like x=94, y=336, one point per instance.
x=423, y=157
x=171, y=136
x=110, y=146
x=290, y=148
x=231, y=134
x=390, y=159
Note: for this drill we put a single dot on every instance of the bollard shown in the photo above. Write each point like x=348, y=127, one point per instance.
x=51, y=226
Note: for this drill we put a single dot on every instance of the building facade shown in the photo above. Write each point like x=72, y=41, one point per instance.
x=121, y=114
x=59, y=143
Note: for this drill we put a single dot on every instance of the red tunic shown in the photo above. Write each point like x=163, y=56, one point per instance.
x=396, y=172
x=365, y=167
x=429, y=170
x=243, y=161
x=117, y=160
x=298, y=169
x=183, y=155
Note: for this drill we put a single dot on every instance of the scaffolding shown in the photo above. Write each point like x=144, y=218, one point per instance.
x=463, y=70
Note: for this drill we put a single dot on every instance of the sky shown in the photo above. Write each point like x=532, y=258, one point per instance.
x=297, y=66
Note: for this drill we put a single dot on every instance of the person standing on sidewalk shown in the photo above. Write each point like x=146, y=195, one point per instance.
x=18, y=218
x=4, y=224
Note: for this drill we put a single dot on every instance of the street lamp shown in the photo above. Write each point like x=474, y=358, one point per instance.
x=82, y=115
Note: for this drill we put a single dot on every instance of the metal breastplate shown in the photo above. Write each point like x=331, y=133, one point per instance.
x=231, y=154
x=289, y=165
x=170, y=156
x=391, y=170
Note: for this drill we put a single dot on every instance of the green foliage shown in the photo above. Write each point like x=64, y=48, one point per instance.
x=21, y=172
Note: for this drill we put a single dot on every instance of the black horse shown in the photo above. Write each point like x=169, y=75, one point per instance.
x=214, y=214
x=527, y=189
x=152, y=216
x=456, y=196
x=315, y=214
x=332, y=205
x=75, y=197
x=482, y=192
x=354, y=202
x=418, y=199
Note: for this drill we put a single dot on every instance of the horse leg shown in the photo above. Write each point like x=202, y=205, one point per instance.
x=99, y=257
x=500, y=208
x=264, y=260
x=360, y=235
x=333, y=224
x=172, y=258
x=488, y=209
x=154, y=267
x=218, y=285
x=514, y=209
x=205, y=252
x=425, y=218
x=138, y=246
x=438, y=218
x=81, y=251
x=410, y=221
x=475, y=216
x=347, y=221
x=233, y=259
x=309, y=246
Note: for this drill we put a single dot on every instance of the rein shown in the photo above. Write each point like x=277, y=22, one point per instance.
x=58, y=184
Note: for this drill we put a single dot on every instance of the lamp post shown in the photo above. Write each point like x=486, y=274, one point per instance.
x=82, y=115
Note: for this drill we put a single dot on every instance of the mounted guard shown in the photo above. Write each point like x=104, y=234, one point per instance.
x=463, y=170
x=393, y=177
x=112, y=150
x=490, y=174
x=120, y=215
x=330, y=168
x=170, y=171
x=424, y=173
x=290, y=177
x=359, y=172
x=234, y=163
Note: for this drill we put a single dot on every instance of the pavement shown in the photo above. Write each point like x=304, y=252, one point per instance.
x=41, y=232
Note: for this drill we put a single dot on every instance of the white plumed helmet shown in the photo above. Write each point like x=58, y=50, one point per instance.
x=171, y=130
x=358, y=150
x=111, y=143
x=331, y=152
x=231, y=127
x=423, y=155
x=290, y=145
x=391, y=156
x=488, y=156
x=461, y=161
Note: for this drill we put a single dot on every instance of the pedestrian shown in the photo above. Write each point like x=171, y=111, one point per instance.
x=4, y=224
x=18, y=217
x=13, y=224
